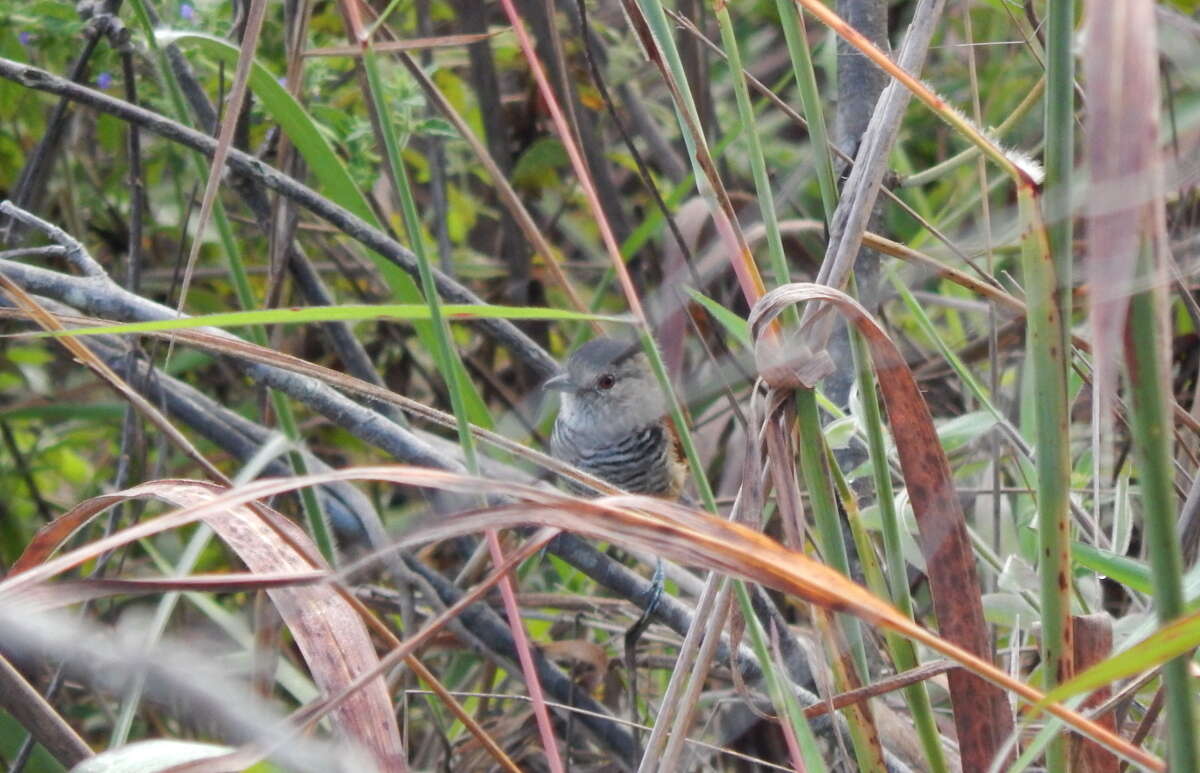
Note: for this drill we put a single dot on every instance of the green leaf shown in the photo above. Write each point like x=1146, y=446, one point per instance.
x=299, y=126
x=435, y=127
x=733, y=324
x=961, y=430
x=28, y=355
x=538, y=166
x=1130, y=573
x=403, y=311
x=839, y=432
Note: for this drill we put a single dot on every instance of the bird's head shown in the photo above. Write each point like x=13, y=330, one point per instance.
x=609, y=388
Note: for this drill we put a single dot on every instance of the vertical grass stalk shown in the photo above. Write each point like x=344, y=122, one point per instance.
x=1150, y=423
x=783, y=698
x=813, y=465
x=794, y=33
x=708, y=181
x=1056, y=206
x=762, y=181
x=1053, y=463
x=446, y=356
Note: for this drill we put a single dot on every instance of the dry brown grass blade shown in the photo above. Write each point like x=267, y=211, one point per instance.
x=328, y=631
x=49, y=321
x=28, y=706
x=981, y=712
x=882, y=687
x=1121, y=150
x=692, y=537
x=34, y=567
x=674, y=531
x=306, y=716
x=60, y=594
x=408, y=44
x=216, y=170
x=55, y=533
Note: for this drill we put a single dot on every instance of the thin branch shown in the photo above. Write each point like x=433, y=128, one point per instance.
x=242, y=163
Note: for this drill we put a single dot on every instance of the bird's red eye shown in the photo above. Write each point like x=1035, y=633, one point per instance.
x=606, y=381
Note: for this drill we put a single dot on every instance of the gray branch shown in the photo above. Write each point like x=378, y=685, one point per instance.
x=521, y=345
x=870, y=163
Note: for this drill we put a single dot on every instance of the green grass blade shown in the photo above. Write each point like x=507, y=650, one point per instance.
x=758, y=166
x=1150, y=390
x=783, y=697
x=792, y=22
x=453, y=312
x=314, y=513
x=733, y=324
x=1056, y=202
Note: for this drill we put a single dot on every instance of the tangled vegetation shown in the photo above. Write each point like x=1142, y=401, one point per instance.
x=281, y=283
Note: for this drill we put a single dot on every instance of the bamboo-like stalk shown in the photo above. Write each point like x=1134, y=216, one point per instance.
x=1053, y=461
x=1053, y=512
x=1150, y=422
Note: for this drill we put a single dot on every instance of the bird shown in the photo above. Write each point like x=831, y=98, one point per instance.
x=613, y=421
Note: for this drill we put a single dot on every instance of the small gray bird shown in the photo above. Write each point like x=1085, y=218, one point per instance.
x=613, y=422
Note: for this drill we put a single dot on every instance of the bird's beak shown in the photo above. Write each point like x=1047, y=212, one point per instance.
x=560, y=383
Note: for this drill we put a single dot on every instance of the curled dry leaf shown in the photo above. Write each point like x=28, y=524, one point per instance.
x=330, y=635
x=981, y=712
x=790, y=365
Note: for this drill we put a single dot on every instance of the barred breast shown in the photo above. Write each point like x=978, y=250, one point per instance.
x=643, y=462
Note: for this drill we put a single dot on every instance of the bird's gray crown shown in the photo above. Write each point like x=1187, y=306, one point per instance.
x=599, y=355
